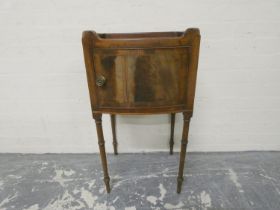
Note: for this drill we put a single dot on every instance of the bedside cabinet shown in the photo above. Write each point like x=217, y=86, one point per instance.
x=141, y=73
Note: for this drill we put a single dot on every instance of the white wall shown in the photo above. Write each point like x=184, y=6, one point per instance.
x=44, y=101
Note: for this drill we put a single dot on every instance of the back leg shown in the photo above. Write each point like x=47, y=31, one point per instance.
x=113, y=124
x=171, y=142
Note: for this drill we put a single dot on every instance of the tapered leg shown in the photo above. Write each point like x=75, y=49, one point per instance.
x=171, y=142
x=101, y=143
x=113, y=124
x=184, y=143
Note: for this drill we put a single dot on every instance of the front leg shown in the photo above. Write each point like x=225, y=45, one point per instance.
x=98, y=121
x=187, y=117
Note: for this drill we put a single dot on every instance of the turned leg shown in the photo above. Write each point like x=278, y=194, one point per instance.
x=171, y=142
x=101, y=143
x=113, y=124
x=184, y=143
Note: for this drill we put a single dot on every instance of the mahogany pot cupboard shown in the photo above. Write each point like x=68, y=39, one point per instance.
x=141, y=73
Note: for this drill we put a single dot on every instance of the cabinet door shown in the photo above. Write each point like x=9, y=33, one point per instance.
x=147, y=77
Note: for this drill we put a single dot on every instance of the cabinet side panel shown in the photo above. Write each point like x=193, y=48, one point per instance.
x=87, y=42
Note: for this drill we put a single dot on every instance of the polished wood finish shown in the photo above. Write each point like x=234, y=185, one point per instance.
x=142, y=73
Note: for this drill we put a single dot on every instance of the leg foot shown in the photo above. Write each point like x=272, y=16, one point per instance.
x=107, y=184
x=179, y=184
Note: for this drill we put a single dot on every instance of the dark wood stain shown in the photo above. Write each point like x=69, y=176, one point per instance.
x=143, y=77
x=108, y=62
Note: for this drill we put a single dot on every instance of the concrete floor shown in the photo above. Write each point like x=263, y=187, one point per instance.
x=245, y=180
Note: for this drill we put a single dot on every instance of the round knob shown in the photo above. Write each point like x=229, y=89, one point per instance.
x=100, y=80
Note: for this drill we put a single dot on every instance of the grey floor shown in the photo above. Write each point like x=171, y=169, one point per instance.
x=246, y=180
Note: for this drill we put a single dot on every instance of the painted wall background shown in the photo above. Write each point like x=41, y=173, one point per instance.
x=44, y=101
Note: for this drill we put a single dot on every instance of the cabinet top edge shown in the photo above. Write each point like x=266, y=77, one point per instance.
x=172, y=35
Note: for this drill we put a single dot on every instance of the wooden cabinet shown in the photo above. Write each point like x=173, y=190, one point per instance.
x=141, y=73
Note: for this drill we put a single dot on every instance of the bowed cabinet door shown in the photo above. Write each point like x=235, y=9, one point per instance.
x=141, y=77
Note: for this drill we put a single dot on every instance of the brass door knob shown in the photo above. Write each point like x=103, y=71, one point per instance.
x=100, y=80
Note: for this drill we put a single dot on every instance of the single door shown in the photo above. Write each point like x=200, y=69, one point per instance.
x=151, y=77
